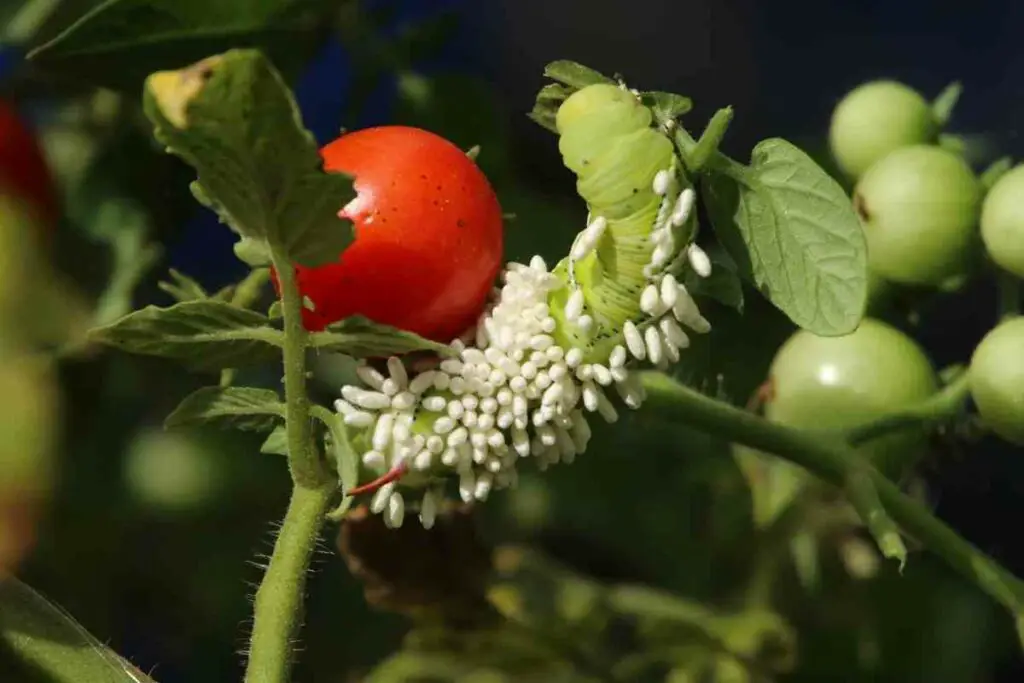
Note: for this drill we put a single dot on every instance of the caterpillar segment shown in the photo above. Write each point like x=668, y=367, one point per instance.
x=555, y=347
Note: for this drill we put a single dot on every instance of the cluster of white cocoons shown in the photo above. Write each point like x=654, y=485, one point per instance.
x=515, y=393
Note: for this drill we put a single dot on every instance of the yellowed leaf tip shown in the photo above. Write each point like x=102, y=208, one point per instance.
x=174, y=90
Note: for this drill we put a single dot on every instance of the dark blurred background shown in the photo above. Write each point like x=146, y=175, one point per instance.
x=150, y=537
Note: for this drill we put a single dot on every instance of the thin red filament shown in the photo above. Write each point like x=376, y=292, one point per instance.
x=386, y=478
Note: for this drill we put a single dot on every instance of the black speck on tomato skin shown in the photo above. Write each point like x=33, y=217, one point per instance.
x=460, y=223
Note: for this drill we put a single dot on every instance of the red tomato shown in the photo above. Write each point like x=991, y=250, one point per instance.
x=428, y=236
x=23, y=169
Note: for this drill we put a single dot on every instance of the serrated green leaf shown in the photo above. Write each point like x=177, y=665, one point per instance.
x=346, y=460
x=543, y=118
x=362, y=338
x=574, y=74
x=183, y=288
x=723, y=285
x=245, y=408
x=276, y=442
x=252, y=252
x=234, y=120
x=118, y=43
x=48, y=640
x=792, y=231
x=554, y=93
x=205, y=335
x=545, y=108
x=125, y=227
x=667, y=105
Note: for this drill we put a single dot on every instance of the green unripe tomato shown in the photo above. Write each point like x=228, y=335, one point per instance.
x=919, y=207
x=997, y=380
x=1002, y=222
x=842, y=382
x=877, y=118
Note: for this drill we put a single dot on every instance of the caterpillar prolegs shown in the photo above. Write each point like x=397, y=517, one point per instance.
x=554, y=347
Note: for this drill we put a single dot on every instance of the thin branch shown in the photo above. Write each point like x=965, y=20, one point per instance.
x=835, y=461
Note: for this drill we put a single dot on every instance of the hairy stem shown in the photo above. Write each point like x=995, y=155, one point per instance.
x=277, y=611
x=835, y=461
x=278, y=605
x=303, y=460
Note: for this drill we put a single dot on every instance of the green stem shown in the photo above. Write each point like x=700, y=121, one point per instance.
x=863, y=494
x=277, y=611
x=303, y=459
x=705, y=148
x=941, y=406
x=278, y=605
x=834, y=461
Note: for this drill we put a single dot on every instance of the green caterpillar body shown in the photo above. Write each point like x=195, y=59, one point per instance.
x=606, y=138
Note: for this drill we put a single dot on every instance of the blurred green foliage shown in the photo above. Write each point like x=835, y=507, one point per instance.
x=655, y=557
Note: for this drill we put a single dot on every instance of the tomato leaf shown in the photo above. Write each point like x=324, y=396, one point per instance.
x=792, y=232
x=667, y=105
x=362, y=338
x=346, y=460
x=571, y=77
x=182, y=287
x=723, y=285
x=48, y=640
x=234, y=120
x=276, y=442
x=206, y=335
x=545, y=108
x=118, y=43
x=573, y=74
x=729, y=362
x=245, y=408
